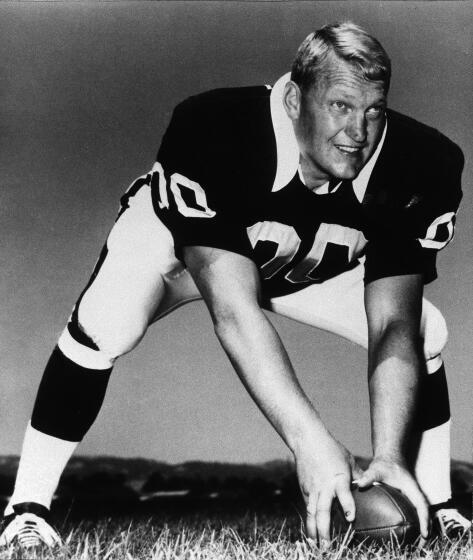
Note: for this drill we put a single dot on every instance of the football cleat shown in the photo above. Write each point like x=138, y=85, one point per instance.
x=449, y=523
x=28, y=527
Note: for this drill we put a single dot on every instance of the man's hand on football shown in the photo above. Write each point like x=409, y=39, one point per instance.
x=395, y=474
x=325, y=472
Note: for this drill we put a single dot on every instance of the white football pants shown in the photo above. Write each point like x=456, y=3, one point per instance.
x=141, y=280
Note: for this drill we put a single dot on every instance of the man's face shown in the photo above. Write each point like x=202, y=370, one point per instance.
x=339, y=123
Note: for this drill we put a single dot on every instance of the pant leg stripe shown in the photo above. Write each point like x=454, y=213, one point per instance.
x=434, y=364
x=82, y=355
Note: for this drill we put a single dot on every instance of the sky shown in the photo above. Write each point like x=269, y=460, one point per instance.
x=86, y=91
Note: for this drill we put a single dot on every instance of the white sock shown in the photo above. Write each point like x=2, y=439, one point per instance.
x=432, y=467
x=43, y=459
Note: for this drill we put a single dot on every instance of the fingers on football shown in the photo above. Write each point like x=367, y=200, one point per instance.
x=367, y=478
x=345, y=497
x=310, y=523
x=357, y=472
x=415, y=496
x=324, y=506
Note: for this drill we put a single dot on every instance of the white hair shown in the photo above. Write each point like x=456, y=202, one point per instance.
x=348, y=42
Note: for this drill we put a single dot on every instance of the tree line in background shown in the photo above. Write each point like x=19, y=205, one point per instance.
x=116, y=486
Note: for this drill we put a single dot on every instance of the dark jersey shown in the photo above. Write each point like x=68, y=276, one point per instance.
x=214, y=184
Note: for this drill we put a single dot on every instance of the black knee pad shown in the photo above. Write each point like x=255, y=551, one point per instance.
x=69, y=398
x=433, y=405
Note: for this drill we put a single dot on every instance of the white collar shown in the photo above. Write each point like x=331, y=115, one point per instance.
x=288, y=149
x=286, y=143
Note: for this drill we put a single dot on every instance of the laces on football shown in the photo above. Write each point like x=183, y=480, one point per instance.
x=29, y=530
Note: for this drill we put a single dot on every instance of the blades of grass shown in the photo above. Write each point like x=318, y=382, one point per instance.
x=347, y=537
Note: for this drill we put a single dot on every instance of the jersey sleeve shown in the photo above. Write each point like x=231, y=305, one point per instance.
x=407, y=240
x=191, y=183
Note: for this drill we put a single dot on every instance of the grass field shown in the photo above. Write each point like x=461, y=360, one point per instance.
x=244, y=537
x=104, y=512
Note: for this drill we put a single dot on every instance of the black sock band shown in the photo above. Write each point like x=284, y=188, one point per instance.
x=69, y=398
x=434, y=405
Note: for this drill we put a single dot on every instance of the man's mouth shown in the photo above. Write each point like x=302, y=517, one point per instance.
x=348, y=150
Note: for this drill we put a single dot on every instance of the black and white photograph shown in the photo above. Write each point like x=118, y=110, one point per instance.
x=236, y=279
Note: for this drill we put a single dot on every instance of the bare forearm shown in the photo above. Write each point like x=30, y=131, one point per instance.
x=263, y=365
x=393, y=307
x=394, y=367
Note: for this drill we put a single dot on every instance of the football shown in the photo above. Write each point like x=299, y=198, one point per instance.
x=383, y=514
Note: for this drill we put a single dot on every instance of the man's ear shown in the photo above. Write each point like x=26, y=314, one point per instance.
x=292, y=100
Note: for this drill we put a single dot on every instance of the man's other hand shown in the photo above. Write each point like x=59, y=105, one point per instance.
x=395, y=474
x=325, y=471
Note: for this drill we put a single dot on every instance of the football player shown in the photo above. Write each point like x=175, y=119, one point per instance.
x=310, y=199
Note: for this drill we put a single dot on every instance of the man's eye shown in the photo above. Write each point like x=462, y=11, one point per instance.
x=375, y=112
x=340, y=105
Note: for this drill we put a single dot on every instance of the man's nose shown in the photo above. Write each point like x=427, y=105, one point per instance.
x=356, y=127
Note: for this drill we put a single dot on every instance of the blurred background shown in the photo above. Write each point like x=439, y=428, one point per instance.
x=86, y=92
